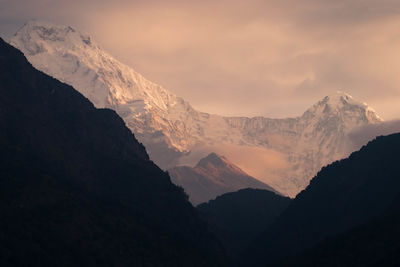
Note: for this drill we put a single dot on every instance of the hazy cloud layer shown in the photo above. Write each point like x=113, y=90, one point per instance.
x=272, y=58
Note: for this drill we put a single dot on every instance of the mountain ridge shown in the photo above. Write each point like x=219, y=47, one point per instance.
x=77, y=188
x=343, y=195
x=237, y=218
x=173, y=131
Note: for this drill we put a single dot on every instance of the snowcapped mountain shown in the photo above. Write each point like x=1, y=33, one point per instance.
x=175, y=133
x=213, y=176
x=310, y=141
x=155, y=115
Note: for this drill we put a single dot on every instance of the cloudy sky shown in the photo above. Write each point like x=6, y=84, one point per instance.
x=270, y=58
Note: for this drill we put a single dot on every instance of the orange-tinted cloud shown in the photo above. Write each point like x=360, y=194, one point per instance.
x=272, y=58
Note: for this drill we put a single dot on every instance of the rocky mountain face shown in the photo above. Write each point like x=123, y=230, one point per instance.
x=173, y=131
x=77, y=188
x=213, y=175
x=343, y=195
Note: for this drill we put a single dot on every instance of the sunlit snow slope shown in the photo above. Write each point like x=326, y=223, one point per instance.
x=173, y=132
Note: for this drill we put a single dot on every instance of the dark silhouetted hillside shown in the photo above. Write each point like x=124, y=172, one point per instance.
x=343, y=195
x=376, y=243
x=237, y=218
x=77, y=189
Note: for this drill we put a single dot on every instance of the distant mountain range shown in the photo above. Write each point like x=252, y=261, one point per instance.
x=174, y=133
x=213, y=175
x=349, y=215
x=76, y=187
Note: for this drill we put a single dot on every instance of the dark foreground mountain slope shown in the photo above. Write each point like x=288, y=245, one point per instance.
x=343, y=195
x=376, y=243
x=237, y=218
x=77, y=189
x=213, y=176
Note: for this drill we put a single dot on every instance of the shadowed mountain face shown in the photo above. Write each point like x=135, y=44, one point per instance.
x=77, y=189
x=375, y=243
x=237, y=218
x=213, y=175
x=343, y=195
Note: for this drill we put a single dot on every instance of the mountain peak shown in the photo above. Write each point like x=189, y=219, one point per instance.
x=36, y=35
x=74, y=58
x=77, y=156
x=213, y=159
x=339, y=99
x=217, y=164
x=214, y=175
x=171, y=129
x=341, y=104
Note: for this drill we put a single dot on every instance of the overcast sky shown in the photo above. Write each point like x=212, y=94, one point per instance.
x=270, y=58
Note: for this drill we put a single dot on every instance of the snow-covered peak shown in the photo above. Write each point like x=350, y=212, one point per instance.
x=173, y=132
x=342, y=105
x=162, y=121
x=75, y=58
x=35, y=36
x=339, y=99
